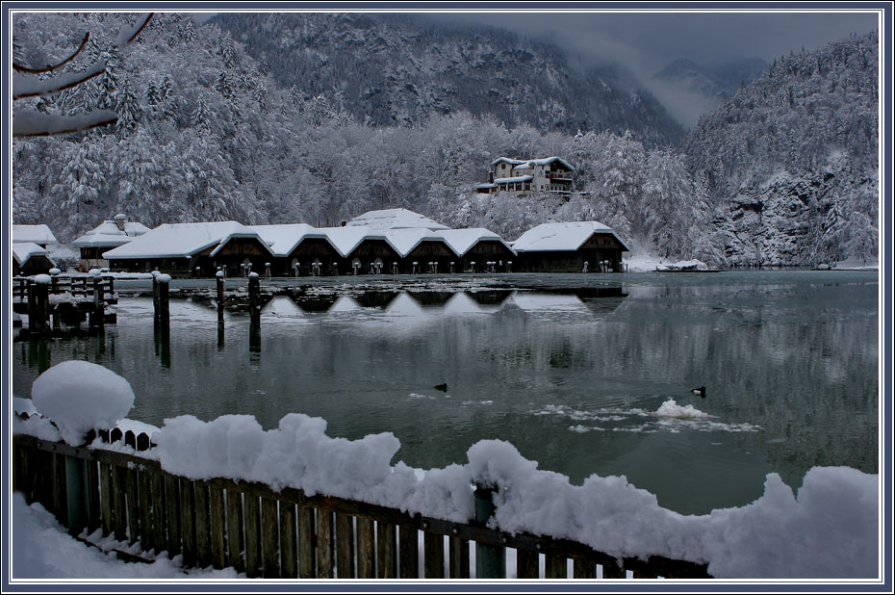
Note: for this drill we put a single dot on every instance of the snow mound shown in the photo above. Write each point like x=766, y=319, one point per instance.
x=834, y=513
x=670, y=408
x=79, y=396
x=684, y=265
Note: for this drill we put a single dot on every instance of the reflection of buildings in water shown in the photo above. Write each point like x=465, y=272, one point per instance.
x=594, y=300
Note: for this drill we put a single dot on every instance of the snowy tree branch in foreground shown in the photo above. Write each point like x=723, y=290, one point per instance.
x=52, y=67
x=33, y=123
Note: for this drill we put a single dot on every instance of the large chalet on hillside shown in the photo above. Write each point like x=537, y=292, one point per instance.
x=552, y=174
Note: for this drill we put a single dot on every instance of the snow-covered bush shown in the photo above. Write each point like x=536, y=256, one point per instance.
x=80, y=396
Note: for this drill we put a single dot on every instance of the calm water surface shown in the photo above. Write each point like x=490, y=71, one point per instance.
x=570, y=369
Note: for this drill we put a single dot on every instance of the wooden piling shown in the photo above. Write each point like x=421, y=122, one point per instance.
x=38, y=308
x=219, y=281
x=255, y=298
x=164, y=282
x=98, y=315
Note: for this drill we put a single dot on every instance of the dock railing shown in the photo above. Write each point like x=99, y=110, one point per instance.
x=287, y=534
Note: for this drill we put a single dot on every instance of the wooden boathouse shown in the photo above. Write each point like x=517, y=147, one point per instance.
x=570, y=247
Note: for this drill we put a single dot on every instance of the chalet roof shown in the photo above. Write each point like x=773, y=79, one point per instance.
x=559, y=237
x=405, y=241
x=38, y=234
x=179, y=240
x=108, y=234
x=22, y=251
x=346, y=239
x=523, y=164
x=284, y=238
x=394, y=219
x=463, y=240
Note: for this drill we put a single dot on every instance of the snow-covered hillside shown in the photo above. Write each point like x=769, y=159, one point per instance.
x=791, y=160
x=395, y=69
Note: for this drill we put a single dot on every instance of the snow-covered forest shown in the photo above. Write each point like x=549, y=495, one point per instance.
x=204, y=133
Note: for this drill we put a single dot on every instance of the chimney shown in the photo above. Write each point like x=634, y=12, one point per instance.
x=120, y=220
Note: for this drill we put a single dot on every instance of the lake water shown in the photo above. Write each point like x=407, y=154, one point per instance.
x=573, y=370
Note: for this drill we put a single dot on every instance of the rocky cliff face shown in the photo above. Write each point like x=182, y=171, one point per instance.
x=791, y=160
x=396, y=69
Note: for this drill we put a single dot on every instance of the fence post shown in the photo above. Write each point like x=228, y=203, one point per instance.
x=75, y=490
x=490, y=560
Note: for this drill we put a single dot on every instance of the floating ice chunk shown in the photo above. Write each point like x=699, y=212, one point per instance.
x=671, y=409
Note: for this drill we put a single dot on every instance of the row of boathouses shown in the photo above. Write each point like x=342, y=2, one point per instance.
x=391, y=241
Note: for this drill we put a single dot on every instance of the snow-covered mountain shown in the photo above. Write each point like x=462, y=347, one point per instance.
x=718, y=81
x=397, y=69
x=782, y=173
x=791, y=160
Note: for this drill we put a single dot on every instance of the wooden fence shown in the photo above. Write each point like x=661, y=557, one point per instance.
x=286, y=534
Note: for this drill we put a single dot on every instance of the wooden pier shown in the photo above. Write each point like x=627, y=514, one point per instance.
x=52, y=301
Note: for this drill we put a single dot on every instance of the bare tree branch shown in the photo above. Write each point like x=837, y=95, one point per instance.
x=126, y=36
x=34, y=123
x=23, y=86
x=52, y=67
x=28, y=122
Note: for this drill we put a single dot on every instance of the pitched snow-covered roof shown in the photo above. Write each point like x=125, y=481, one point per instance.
x=558, y=237
x=22, y=251
x=462, y=240
x=404, y=241
x=38, y=234
x=108, y=234
x=284, y=238
x=173, y=240
x=346, y=239
x=394, y=219
x=522, y=164
x=501, y=181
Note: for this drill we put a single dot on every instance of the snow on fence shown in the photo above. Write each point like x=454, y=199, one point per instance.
x=287, y=534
